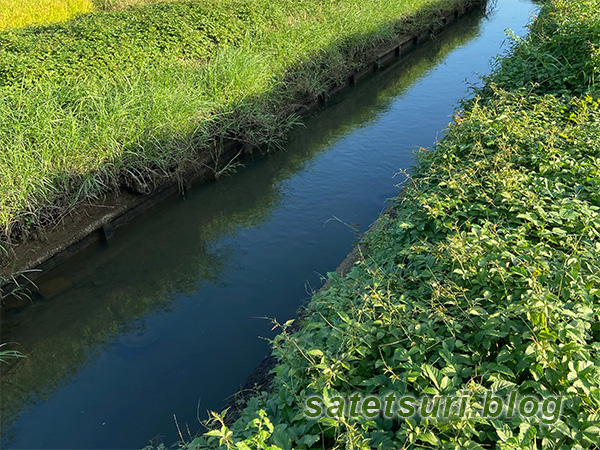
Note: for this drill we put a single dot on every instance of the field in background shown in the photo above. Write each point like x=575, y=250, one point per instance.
x=21, y=13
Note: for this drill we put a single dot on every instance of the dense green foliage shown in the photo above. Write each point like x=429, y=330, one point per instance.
x=120, y=42
x=89, y=104
x=485, y=276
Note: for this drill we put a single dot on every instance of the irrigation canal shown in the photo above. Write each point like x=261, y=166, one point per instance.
x=166, y=320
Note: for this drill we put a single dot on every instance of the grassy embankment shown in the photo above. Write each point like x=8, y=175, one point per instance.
x=486, y=276
x=131, y=96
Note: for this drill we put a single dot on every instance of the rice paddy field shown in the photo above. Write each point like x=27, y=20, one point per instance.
x=23, y=13
x=15, y=14
x=91, y=103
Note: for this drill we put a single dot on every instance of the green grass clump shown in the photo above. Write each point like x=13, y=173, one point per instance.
x=88, y=104
x=485, y=276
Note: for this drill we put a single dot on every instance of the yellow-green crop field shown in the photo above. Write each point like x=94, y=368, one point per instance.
x=20, y=13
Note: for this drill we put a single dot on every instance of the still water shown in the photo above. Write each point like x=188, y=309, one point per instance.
x=170, y=318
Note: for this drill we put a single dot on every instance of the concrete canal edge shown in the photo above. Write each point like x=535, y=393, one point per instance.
x=88, y=224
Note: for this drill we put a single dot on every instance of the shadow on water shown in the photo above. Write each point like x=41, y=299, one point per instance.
x=123, y=336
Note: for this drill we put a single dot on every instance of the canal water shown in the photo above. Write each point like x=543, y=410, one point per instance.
x=170, y=318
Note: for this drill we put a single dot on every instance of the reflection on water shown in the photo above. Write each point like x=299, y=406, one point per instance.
x=166, y=319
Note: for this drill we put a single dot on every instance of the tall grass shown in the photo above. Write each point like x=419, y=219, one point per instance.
x=142, y=91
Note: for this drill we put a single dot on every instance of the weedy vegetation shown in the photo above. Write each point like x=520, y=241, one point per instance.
x=486, y=276
x=90, y=104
